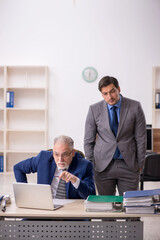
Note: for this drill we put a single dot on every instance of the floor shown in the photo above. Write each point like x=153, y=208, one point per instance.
x=151, y=225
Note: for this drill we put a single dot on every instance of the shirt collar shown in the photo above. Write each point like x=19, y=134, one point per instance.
x=118, y=104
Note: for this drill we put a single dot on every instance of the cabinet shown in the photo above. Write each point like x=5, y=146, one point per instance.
x=23, y=128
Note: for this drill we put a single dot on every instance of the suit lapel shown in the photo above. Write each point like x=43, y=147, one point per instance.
x=71, y=170
x=123, y=113
x=105, y=117
x=52, y=168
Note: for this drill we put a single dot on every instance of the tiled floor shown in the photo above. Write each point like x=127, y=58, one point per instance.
x=151, y=225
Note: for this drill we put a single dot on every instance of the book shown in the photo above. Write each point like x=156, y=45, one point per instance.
x=10, y=99
x=103, y=203
x=1, y=164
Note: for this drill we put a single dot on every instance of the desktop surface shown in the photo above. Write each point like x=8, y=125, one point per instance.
x=74, y=210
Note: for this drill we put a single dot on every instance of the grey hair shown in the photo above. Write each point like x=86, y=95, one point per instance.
x=65, y=139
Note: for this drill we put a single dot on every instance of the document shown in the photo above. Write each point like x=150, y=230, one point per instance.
x=57, y=201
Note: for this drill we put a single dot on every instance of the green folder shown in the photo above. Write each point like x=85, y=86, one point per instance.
x=104, y=198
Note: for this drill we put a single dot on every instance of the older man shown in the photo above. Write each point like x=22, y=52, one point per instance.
x=63, y=163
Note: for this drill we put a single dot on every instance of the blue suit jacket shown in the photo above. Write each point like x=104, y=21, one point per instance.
x=45, y=166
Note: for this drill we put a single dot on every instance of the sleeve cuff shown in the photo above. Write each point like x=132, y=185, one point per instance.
x=76, y=184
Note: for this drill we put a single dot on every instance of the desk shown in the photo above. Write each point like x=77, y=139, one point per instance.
x=65, y=224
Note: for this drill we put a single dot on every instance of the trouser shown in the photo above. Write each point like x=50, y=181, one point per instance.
x=117, y=174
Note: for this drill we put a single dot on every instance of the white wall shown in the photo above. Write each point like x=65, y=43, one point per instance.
x=118, y=37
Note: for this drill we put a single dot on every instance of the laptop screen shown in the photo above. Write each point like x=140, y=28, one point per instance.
x=30, y=195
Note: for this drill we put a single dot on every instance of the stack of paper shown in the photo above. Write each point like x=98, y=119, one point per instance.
x=138, y=201
x=144, y=201
x=96, y=203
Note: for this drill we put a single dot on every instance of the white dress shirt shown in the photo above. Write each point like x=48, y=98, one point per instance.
x=55, y=181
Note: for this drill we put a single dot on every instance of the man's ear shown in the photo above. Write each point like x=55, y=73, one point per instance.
x=73, y=153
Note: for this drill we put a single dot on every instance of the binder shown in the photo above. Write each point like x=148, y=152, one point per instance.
x=1, y=164
x=10, y=99
x=104, y=198
x=157, y=101
x=143, y=201
x=141, y=193
x=140, y=210
x=102, y=203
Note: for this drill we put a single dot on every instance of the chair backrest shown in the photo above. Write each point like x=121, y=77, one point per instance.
x=152, y=165
x=82, y=154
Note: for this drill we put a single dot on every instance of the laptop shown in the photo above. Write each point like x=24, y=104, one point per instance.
x=31, y=195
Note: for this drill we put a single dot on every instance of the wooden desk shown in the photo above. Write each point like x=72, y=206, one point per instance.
x=66, y=223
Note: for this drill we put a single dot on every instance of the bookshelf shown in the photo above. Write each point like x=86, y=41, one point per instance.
x=156, y=98
x=156, y=108
x=23, y=128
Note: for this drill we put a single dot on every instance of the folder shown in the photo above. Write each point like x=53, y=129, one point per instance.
x=141, y=193
x=143, y=201
x=10, y=99
x=1, y=163
x=140, y=210
x=104, y=198
x=102, y=203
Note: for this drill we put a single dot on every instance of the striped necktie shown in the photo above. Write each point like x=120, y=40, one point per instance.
x=61, y=189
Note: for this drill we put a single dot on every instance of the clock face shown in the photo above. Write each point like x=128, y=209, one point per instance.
x=89, y=74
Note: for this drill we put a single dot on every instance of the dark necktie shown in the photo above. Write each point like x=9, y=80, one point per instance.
x=114, y=126
x=61, y=189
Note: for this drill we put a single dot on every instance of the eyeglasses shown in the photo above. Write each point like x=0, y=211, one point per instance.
x=63, y=155
x=112, y=91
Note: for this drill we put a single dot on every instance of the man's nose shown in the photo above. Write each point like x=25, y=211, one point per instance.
x=61, y=158
x=109, y=95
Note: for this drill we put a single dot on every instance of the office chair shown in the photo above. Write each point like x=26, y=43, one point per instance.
x=151, y=170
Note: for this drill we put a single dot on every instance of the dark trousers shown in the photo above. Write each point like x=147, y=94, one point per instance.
x=117, y=174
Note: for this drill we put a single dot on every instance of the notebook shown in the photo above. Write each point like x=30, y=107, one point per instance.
x=31, y=195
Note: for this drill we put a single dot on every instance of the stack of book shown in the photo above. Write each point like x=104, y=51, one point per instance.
x=99, y=203
x=144, y=201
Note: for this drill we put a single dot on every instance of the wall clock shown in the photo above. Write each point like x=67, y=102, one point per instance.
x=89, y=74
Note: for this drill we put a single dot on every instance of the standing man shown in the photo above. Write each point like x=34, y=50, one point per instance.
x=63, y=163
x=115, y=139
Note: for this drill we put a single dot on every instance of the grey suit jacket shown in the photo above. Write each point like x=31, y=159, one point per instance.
x=100, y=143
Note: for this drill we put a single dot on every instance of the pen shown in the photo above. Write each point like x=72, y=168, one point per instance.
x=1, y=198
x=4, y=205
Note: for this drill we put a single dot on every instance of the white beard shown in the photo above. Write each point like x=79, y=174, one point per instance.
x=65, y=166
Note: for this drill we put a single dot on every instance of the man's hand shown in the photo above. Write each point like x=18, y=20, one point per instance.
x=66, y=176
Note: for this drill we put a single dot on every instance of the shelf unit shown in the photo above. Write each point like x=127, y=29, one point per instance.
x=155, y=90
x=23, y=128
x=156, y=111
